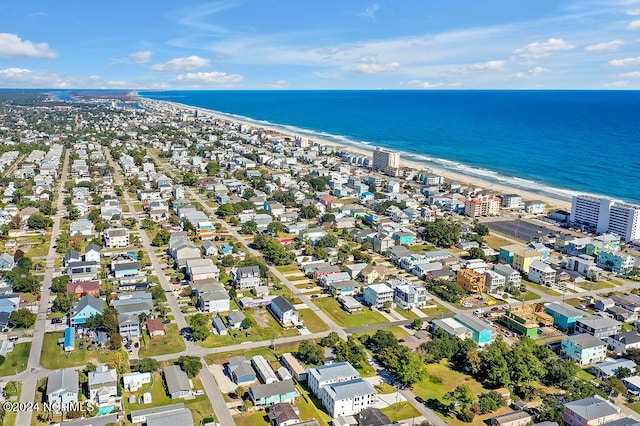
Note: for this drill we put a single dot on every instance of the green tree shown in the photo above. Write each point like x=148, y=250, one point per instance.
x=39, y=221
x=73, y=212
x=240, y=392
x=115, y=342
x=161, y=238
x=249, y=227
x=477, y=253
x=190, y=365
x=417, y=324
x=328, y=240
x=22, y=318
x=246, y=323
x=148, y=365
x=59, y=284
x=331, y=340
x=189, y=179
x=442, y=233
x=212, y=168
x=491, y=401
x=310, y=353
x=63, y=302
x=494, y=367
x=309, y=212
x=199, y=326
x=275, y=228
x=351, y=351
x=481, y=229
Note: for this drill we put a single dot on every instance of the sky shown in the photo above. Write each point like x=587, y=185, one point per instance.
x=321, y=44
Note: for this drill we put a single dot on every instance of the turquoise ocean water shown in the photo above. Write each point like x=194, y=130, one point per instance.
x=552, y=142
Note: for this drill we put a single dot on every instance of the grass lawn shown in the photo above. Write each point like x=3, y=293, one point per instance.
x=422, y=248
x=635, y=406
x=285, y=269
x=397, y=331
x=495, y=242
x=590, y=285
x=17, y=360
x=269, y=329
x=541, y=288
x=384, y=388
x=54, y=358
x=312, y=321
x=400, y=411
x=199, y=406
x=432, y=312
x=331, y=307
x=616, y=282
x=13, y=391
x=294, y=278
x=405, y=313
x=585, y=375
x=169, y=344
x=36, y=246
x=251, y=418
x=310, y=407
x=528, y=296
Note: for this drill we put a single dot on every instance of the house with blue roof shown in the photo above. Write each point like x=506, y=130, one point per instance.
x=84, y=309
x=69, y=339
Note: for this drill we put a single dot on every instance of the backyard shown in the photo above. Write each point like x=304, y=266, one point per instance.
x=54, y=358
x=169, y=344
x=343, y=318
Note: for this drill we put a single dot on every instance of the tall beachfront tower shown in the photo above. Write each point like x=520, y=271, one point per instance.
x=384, y=160
x=606, y=215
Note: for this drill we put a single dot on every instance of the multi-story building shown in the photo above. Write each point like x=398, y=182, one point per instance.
x=376, y=295
x=597, y=326
x=487, y=205
x=618, y=262
x=247, y=277
x=523, y=259
x=494, y=281
x=384, y=160
x=590, y=411
x=470, y=280
x=408, y=296
x=482, y=332
x=583, y=349
x=542, y=273
x=116, y=237
x=606, y=215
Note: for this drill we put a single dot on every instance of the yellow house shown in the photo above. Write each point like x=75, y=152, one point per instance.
x=522, y=260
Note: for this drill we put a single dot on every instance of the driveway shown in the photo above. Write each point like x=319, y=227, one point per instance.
x=225, y=384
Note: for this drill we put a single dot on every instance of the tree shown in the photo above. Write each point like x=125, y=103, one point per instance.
x=22, y=318
x=212, y=168
x=115, y=342
x=240, y=392
x=481, y=229
x=328, y=240
x=148, y=365
x=64, y=302
x=73, y=212
x=442, y=233
x=310, y=353
x=490, y=402
x=309, y=212
x=417, y=324
x=118, y=361
x=59, y=284
x=462, y=395
x=275, y=228
x=246, y=323
x=190, y=365
x=189, y=179
x=330, y=341
x=162, y=238
x=249, y=227
x=351, y=351
x=623, y=372
x=39, y=221
x=477, y=253
x=199, y=326
x=2, y=359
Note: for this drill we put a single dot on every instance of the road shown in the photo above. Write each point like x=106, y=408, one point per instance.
x=31, y=375
x=213, y=392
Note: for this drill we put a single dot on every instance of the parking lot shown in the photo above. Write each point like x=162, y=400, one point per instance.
x=520, y=229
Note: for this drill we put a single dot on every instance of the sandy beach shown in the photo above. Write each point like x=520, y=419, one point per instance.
x=465, y=180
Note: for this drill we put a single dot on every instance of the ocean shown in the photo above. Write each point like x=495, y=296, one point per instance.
x=556, y=143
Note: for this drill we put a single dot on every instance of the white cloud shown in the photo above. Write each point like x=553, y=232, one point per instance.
x=621, y=83
x=633, y=12
x=213, y=78
x=609, y=46
x=188, y=63
x=118, y=84
x=635, y=74
x=370, y=11
x=280, y=84
x=625, y=62
x=21, y=77
x=13, y=46
x=418, y=84
x=481, y=67
x=372, y=66
x=634, y=25
x=532, y=73
x=141, y=57
x=543, y=49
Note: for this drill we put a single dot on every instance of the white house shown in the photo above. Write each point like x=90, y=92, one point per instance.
x=376, y=295
x=133, y=381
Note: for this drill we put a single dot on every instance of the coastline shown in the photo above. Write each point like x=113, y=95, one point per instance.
x=463, y=179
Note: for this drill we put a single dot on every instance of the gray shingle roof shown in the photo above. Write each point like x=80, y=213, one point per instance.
x=176, y=379
x=334, y=371
x=278, y=388
x=592, y=408
x=66, y=379
x=349, y=389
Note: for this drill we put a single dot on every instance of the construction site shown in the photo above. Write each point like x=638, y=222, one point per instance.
x=527, y=320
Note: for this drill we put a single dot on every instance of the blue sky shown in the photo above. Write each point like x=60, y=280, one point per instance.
x=327, y=44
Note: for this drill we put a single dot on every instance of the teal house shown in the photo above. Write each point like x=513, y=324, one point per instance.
x=403, y=237
x=482, y=332
x=564, y=316
x=84, y=309
x=272, y=393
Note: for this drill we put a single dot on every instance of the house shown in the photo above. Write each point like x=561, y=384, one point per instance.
x=126, y=269
x=373, y=417
x=370, y=273
x=409, y=295
x=240, y=370
x=80, y=288
x=542, y=273
x=451, y=327
x=247, y=277
x=177, y=382
x=377, y=295
x=319, y=377
x=82, y=227
x=620, y=343
x=212, y=296
x=9, y=302
x=132, y=381
x=7, y=262
x=174, y=414
x=202, y=269
x=264, y=370
x=208, y=248
x=284, y=311
x=590, y=411
x=69, y=340
x=85, y=308
x=348, y=398
x=82, y=271
x=182, y=250
x=221, y=329
x=471, y=280
x=291, y=363
x=92, y=253
x=597, y=326
x=62, y=386
x=116, y=237
x=610, y=367
x=103, y=385
x=514, y=418
x=155, y=328
x=129, y=326
x=511, y=275
x=482, y=332
x=283, y=414
x=564, y=315
x=273, y=393
x=583, y=349
x=312, y=234
x=235, y=319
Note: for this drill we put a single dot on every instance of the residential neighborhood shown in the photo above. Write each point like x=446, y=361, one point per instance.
x=164, y=265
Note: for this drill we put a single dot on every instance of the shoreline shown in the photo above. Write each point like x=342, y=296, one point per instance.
x=464, y=179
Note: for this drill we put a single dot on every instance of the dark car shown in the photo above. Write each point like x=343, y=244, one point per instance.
x=420, y=400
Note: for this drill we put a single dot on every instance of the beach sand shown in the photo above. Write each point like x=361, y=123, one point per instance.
x=464, y=180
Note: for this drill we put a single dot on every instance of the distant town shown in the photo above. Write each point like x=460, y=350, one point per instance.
x=164, y=265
